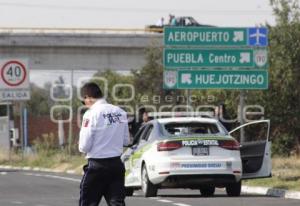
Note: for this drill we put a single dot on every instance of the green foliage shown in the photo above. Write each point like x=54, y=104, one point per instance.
x=282, y=100
x=109, y=82
x=283, y=145
x=39, y=103
x=148, y=81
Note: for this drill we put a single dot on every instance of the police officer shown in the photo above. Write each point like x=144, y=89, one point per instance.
x=103, y=133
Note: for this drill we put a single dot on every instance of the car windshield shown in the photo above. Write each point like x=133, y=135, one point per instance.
x=191, y=21
x=192, y=128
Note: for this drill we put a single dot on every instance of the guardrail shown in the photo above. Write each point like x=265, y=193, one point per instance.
x=49, y=30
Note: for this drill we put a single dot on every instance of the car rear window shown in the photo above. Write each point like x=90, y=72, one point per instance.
x=191, y=128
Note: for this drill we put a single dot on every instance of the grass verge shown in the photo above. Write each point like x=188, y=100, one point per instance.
x=55, y=159
x=285, y=174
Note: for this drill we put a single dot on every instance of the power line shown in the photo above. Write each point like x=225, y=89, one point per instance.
x=137, y=10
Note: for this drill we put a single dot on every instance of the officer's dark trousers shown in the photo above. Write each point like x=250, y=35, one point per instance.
x=103, y=177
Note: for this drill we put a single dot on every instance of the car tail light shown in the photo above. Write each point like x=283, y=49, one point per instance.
x=229, y=144
x=168, y=146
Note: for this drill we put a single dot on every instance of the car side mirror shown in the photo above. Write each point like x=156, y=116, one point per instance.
x=132, y=143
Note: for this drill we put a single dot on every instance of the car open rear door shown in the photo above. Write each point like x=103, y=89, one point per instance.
x=255, y=148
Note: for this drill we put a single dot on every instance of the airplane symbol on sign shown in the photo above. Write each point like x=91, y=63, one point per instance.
x=258, y=36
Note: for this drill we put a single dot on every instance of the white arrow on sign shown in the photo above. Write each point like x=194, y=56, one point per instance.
x=244, y=57
x=186, y=78
x=238, y=36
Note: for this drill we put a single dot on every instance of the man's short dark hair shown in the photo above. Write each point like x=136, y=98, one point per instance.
x=91, y=89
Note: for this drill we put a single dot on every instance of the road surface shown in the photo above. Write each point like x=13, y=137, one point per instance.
x=26, y=188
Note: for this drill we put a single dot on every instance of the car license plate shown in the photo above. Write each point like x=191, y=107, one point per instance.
x=200, y=151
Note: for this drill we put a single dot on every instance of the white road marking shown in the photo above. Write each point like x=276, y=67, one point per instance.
x=166, y=201
x=54, y=177
x=181, y=204
x=3, y=173
x=174, y=203
x=16, y=202
x=154, y=198
x=135, y=193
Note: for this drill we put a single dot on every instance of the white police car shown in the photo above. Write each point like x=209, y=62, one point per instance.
x=196, y=153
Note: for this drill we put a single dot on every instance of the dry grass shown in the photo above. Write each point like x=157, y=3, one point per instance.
x=58, y=160
x=287, y=168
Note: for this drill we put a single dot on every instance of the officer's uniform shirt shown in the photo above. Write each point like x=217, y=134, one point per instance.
x=104, y=131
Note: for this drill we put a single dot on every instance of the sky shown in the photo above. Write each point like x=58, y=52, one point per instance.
x=131, y=13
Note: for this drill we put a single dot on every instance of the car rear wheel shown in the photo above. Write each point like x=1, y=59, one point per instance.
x=234, y=189
x=128, y=191
x=207, y=191
x=149, y=189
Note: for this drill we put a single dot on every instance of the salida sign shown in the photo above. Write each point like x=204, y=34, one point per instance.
x=14, y=82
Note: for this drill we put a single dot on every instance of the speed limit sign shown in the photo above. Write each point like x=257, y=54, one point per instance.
x=14, y=82
x=13, y=73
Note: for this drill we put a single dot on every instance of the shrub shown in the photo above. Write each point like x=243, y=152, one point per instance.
x=282, y=146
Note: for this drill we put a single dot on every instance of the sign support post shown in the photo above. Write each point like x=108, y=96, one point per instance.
x=15, y=86
x=70, y=136
x=25, y=128
x=188, y=104
x=241, y=115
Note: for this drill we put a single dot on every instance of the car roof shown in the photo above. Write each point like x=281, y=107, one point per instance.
x=185, y=119
x=184, y=17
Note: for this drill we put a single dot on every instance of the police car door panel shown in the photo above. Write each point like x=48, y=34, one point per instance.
x=126, y=158
x=138, y=153
x=130, y=160
x=255, y=148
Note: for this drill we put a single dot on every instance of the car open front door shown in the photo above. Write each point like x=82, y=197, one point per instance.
x=255, y=148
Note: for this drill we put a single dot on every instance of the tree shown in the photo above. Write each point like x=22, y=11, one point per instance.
x=282, y=99
x=60, y=90
x=284, y=93
x=39, y=102
x=148, y=81
x=117, y=86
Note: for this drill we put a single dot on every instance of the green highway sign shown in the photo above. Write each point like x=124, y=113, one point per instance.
x=215, y=79
x=214, y=58
x=215, y=36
